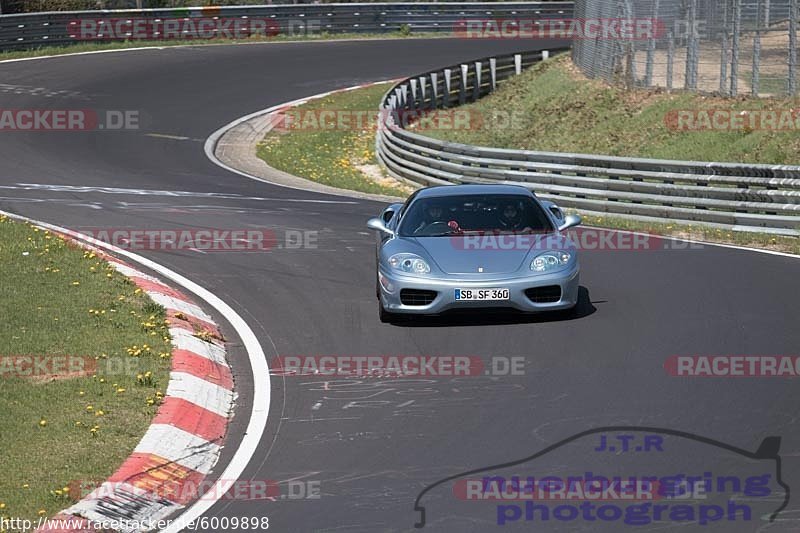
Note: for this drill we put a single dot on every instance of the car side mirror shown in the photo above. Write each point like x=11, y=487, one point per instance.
x=379, y=225
x=570, y=221
x=557, y=212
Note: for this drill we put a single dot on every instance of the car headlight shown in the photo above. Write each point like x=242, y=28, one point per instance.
x=409, y=263
x=550, y=261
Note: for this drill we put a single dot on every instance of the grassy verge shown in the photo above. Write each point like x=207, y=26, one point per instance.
x=697, y=232
x=336, y=153
x=555, y=108
x=66, y=306
x=121, y=45
x=328, y=156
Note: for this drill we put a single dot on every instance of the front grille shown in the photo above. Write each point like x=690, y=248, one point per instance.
x=544, y=295
x=417, y=296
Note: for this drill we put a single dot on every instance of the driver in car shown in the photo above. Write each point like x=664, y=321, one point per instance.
x=433, y=214
x=511, y=219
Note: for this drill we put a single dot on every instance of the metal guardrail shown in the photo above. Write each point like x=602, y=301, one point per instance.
x=24, y=31
x=762, y=198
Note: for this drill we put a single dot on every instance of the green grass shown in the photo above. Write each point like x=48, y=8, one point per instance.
x=556, y=109
x=697, y=232
x=318, y=155
x=80, y=46
x=332, y=155
x=47, y=290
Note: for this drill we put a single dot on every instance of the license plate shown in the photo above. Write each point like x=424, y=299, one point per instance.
x=481, y=295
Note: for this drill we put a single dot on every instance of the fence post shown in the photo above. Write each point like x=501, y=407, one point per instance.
x=493, y=73
x=737, y=29
x=723, y=58
x=755, y=80
x=446, y=96
x=690, y=80
x=434, y=90
x=476, y=89
x=422, y=92
x=651, y=48
x=518, y=64
x=462, y=92
x=413, y=83
x=670, y=59
x=793, y=47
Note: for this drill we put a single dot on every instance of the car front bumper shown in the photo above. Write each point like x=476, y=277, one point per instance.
x=392, y=284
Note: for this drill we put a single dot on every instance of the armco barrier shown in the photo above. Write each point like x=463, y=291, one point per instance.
x=24, y=31
x=762, y=198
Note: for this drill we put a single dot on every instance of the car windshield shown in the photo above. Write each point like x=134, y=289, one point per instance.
x=475, y=213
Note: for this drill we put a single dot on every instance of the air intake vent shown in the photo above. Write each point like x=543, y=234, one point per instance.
x=544, y=295
x=417, y=296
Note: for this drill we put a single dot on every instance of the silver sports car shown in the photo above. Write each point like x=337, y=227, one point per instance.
x=474, y=246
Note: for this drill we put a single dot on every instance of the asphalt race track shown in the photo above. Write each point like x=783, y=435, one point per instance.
x=373, y=444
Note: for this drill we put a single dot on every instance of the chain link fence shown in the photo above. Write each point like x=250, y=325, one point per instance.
x=730, y=47
x=36, y=6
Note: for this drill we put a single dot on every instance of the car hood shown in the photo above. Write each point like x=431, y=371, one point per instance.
x=488, y=254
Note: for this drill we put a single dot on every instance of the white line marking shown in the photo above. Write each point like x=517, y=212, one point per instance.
x=179, y=446
x=259, y=367
x=180, y=305
x=156, y=192
x=184, y=340
x=166, y=136
x=198, y=391
x=133, y=273
x=144, y=48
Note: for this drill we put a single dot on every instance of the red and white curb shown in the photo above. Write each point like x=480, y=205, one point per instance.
x=183, y=442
